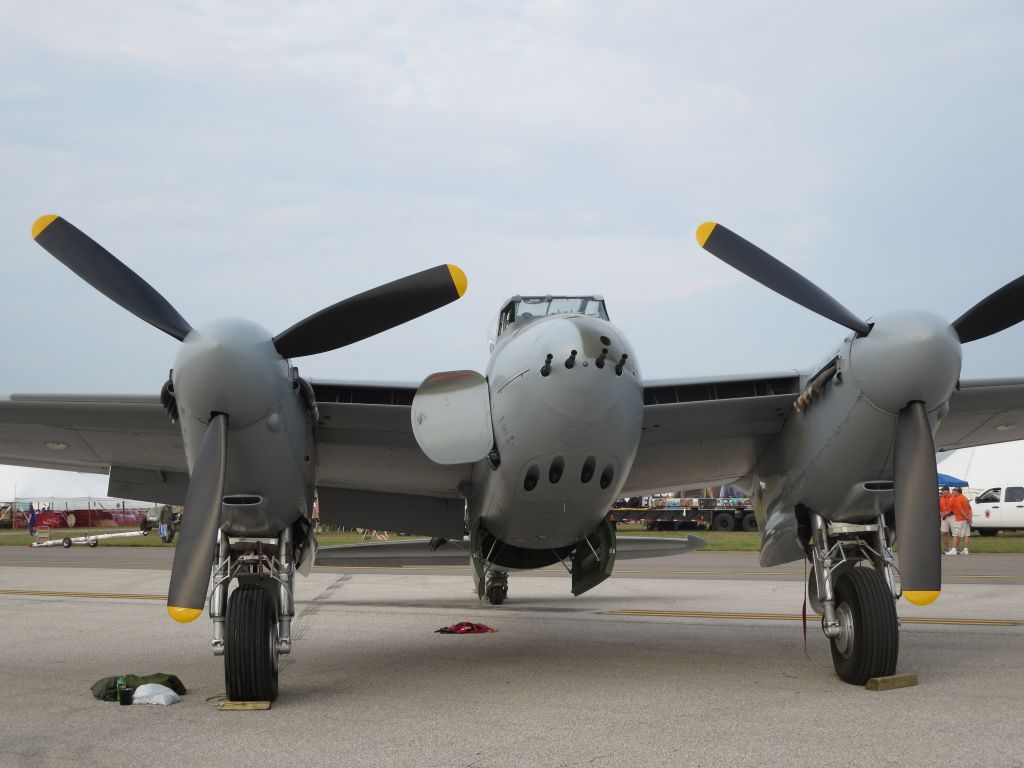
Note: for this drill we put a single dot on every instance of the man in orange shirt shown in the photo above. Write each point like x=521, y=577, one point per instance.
x=962, y=522
x=945, y=515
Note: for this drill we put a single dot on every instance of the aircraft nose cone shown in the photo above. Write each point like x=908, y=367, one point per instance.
x=908, y=356
x=584, y=385
x=232, y=367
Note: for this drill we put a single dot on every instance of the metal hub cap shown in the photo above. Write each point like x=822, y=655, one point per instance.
x=844, y=640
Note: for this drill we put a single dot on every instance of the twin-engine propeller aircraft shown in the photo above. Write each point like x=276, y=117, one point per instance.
x=529, y=457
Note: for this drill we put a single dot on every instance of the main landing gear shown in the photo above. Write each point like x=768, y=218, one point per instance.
x=252, y=627
x=853, y=587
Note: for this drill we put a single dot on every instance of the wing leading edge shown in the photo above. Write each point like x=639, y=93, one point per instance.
x=708, y=431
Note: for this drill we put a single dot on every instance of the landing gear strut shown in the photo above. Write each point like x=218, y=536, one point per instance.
x=857, y=603
x=252, y=627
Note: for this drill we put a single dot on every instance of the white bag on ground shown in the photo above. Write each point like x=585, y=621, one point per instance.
x=151, y=693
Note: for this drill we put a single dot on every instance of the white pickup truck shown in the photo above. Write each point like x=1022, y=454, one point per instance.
x=999, y=509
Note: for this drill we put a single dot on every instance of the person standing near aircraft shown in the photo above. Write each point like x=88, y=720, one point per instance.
x=945, y=515
x=962, y=523
x=31, y=520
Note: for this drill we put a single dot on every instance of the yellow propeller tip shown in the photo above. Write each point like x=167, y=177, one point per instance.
x=184, y=615
x=921, y=597
x=459, y=278
x=704, y=232
x=42, y=223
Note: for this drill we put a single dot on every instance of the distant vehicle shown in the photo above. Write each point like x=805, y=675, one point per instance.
x=673, y=513
x=165, y=519
x=999, y=509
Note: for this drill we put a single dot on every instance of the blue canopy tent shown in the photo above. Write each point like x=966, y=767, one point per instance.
x=952, y=482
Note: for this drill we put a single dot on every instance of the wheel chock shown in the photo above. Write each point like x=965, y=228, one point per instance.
x=242, y=706
x=891, y=682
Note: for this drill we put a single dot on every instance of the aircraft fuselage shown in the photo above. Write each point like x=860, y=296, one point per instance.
x=565, y=435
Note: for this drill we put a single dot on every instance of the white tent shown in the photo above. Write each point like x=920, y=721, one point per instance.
x=986, y=466
x=25, y=482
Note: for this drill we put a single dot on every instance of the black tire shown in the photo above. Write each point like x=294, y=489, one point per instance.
x=66, y=542
x=724, y=522
x=250, y=648
x=986, y=531
x=93, y=542
x=749, y=522
x=496, y=595
x=873, y=649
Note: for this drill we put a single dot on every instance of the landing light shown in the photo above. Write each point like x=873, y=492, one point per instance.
x=57, y=445
x=1005, y=427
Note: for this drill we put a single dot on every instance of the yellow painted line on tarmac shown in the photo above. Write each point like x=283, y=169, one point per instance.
x=90, y=563
x=96, y=595
x=812, y=618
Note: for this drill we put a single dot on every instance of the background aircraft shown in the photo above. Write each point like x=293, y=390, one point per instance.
x=530, y=455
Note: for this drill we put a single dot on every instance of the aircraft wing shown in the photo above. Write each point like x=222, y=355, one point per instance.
x=708, y=431
x=128, y=437
x=365, y=442
x=981, y=412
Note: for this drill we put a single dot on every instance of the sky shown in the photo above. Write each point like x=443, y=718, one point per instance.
x=267, y=159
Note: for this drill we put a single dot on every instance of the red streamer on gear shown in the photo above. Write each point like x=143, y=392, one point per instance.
x=465, y=628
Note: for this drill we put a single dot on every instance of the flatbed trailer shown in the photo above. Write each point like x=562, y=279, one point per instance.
x=690, y=514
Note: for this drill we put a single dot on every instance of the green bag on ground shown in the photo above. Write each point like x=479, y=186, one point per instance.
x=106, y=688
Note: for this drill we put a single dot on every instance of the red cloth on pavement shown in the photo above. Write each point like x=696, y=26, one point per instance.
x=465, y=628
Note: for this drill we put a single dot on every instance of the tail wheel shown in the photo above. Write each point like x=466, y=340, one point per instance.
x=250, y=650
x=868, y=642
x=496, y=594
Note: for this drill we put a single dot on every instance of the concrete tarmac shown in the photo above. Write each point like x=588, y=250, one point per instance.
x=652, y=669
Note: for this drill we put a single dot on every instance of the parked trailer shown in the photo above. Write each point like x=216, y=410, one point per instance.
x=91, y=539
x=674, y=514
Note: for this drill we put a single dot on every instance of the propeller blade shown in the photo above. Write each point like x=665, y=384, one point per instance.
x=372, y=312
x=104, y=272
x=190, y=572
x=996, y=312
x=743, y=255
x=917, y=506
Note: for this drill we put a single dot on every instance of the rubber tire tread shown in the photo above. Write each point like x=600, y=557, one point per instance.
x=749, y=523
x=249, y=673
x=728, y=524
x=875, y=626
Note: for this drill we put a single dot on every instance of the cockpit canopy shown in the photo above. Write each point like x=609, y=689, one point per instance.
x=522, y=309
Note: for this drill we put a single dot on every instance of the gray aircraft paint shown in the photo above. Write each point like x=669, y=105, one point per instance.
x=573, y=415
x=828, y=454
x=232, y=367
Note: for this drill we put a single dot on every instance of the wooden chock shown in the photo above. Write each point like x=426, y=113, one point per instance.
x=891, y=682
